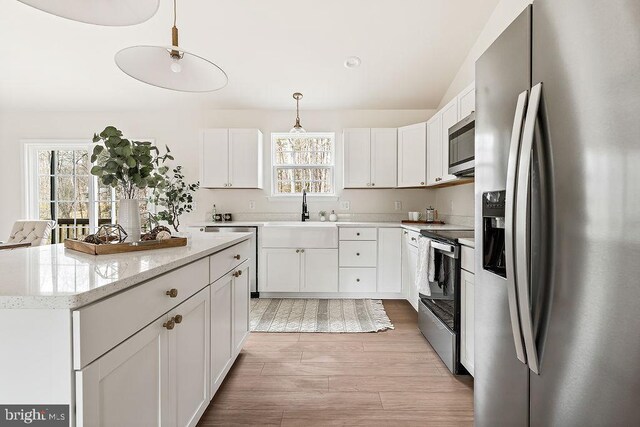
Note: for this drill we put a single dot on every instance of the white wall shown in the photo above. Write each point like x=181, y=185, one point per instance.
x=504, y=13
x=179, y=130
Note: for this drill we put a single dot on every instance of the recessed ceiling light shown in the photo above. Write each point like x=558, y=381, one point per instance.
x=352, y=62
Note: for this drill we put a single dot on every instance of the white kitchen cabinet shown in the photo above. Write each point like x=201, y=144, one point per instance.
x=282, y=269
x=231, y=158
x=112, y=391
x=320, y=270
x=241, y=298
x=412, y=155
x=189, y=359
x=409, y=268
x=389, y=260
x=370, y=157
x=434, y=150
x=449, y=118
x=221, y=330
x=161, y=372
x=467, y=336
x=467, y=101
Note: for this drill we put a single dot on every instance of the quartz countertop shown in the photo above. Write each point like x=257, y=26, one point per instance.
x=52, y=277
x=413, y=227
x=470, y=242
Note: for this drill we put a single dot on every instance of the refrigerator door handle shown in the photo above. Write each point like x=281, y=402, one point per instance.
x=522, y=227
x=514, y=150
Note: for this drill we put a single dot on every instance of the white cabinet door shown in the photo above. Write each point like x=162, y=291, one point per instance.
x=449, y=118
x=389, y=266
x=384, y=157
x=412, y=155
x=320, y=270
x=357, y=157
x=221, y=330
x=282, y=270
x=129, y=384
x=245, y=158
x=434, y=150
x=241, y=297
x=467, y=337
x=215, y=158
x=467, y=101
x=189, y=359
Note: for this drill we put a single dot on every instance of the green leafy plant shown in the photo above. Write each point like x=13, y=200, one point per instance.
x=130, y=165
x=175, y=196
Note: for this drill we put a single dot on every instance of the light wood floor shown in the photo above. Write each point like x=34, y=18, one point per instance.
x=391, y=378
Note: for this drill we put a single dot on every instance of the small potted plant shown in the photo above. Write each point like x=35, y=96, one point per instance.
x=323, y=215
x=174, y=196
x=130, y=166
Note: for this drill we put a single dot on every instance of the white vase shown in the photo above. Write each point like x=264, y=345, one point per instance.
x=129, y=218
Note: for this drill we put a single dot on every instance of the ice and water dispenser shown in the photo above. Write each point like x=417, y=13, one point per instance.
x=493, y=259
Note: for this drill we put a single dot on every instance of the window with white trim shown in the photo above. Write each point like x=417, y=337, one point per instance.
x=60, y=187
x=303, y=161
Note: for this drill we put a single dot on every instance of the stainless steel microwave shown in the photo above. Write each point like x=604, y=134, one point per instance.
x=462, y=147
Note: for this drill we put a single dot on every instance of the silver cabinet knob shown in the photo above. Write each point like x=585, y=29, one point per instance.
x=357, y=280
x=368, y=184
x=297, y=251
x=357, y=234
x=373, y=184
x=422, y=183
x=302, y=250
x=357, y=253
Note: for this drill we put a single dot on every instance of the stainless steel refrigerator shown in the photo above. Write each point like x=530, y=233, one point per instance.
x=557, y=191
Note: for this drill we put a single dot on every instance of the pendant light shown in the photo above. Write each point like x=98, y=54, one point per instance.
x=171, y=67
x=114, y=13
x=297, y=128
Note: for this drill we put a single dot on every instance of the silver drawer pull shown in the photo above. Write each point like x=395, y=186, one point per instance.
x=236, y=256
x=172, y=293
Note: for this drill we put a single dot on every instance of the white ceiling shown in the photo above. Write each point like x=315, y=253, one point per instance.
x=410, y=50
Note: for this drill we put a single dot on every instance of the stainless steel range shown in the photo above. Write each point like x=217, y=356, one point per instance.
x=439, y=313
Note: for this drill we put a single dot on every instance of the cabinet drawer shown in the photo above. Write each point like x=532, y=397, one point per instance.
x=303, y=236
x=358, y=233
x=357, y=280
x=358, y=254
x=228, y=259
x=101, y=326
x=411, y=237
x=467, y=258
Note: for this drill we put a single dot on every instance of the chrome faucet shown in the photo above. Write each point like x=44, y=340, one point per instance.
x=305, y=211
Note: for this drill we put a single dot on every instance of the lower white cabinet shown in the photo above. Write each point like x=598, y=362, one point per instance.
x=156, y=377
x=241, y=298
x=409, y=270
x=300, y=270
x=389, y=260
x=467, y=336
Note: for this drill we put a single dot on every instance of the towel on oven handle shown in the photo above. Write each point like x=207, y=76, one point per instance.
x=426, y=268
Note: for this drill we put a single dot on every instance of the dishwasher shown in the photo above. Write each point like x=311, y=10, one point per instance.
x=253, y=262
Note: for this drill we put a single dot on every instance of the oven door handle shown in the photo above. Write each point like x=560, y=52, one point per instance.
x=442, y=247
x=510, y=256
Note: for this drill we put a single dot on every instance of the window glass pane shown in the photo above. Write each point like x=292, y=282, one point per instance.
x=44, y=162
x=44, y=210
x=64, y=162
x=81, y=188
x=64, y=188
x=82, y=162
x=44, y=188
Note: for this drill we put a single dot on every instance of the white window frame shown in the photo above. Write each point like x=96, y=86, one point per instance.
x=332, y=166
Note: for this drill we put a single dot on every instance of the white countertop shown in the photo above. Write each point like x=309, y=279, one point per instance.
x=414, y=227
x=470, y=242
x=54, y=277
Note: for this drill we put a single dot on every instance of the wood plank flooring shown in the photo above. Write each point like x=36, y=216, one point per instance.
x=391, y=378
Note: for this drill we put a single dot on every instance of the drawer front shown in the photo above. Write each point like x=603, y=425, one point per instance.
x=357, y=280
x=358, y=254
x=358, y=233
x=311, y=237
x=411, y=237
x=439, y=336
x=467, y=258
x=223, y=262
x=99, y=327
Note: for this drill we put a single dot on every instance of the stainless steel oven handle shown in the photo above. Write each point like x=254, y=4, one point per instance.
x=512, y=293
x=442, y=247
x=522, y=227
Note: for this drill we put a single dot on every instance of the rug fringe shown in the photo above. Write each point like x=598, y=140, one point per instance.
x=380, y=316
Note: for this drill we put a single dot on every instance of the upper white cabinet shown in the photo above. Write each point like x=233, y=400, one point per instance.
x=467, y=101
x=434, y=150
x=370, y=157
x=412, y=155
x=449, y=118
x=231, y=158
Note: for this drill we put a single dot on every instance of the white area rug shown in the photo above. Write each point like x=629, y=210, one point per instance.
x=318, y=315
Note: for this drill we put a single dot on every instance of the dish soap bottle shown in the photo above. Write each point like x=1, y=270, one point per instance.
x=213, y=213
x=333, y=217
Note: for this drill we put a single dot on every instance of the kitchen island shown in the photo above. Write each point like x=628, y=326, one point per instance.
x=115, y=337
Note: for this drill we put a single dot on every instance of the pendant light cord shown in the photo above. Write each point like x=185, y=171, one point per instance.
x=174, y=12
